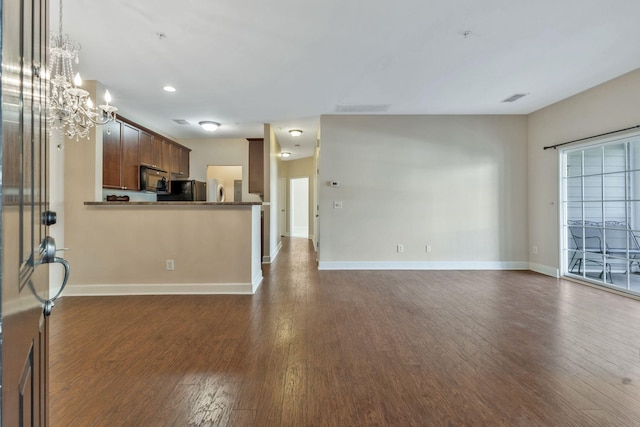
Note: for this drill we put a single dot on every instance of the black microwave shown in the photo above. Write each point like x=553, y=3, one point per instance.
x=153, y=180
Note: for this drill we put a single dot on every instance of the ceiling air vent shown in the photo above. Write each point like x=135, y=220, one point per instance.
x=362, y=108
x=181, y=122
x=514, y=97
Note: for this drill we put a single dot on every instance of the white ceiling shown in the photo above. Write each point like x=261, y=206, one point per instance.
x=286, y=62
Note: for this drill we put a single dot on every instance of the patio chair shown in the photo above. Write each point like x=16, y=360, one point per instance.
x=621, y=242
x=586, y=237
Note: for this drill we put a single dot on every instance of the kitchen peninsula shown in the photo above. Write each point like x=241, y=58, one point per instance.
x=145, y=247
x=168, y=248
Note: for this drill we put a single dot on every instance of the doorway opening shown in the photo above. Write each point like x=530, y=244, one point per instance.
x=299, y=207
x=228, y=183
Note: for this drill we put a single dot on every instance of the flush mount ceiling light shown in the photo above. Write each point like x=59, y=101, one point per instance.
x=285, y=154
x=295, y=132
x=168, y=88
x=209, y=126
x=71, y=110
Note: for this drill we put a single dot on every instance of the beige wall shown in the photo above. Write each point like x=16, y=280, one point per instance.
x=220, y=152
x=608, y=107
x=456, y=183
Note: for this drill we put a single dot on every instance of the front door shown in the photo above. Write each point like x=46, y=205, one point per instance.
x=24, y=278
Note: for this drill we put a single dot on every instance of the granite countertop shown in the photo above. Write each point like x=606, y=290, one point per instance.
x=133, y=203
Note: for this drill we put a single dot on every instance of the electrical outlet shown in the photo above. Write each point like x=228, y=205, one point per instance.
x=400, y=249
x=170, y=266
x=428, y=248
x=535, y=250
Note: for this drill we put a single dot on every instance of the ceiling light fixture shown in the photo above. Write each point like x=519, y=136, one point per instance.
x=285, y=154
x=70, y=108
x=209, y=126
x=168, y=88
x=295, y=132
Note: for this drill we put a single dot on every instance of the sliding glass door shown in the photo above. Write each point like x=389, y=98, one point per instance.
x=601, y=213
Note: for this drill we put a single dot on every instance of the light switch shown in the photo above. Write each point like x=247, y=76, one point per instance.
x=337, y=204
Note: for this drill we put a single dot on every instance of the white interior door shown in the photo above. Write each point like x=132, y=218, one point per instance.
x=299, y=207
x=282, y=207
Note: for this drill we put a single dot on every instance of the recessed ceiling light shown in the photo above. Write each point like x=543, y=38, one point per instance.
x=209, y=126
x=295, y=132
x=285, y=154
x=169, y=88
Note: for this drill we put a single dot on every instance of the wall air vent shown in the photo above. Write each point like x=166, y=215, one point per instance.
x=182, y=122
x=515, y=97
x=362, y=108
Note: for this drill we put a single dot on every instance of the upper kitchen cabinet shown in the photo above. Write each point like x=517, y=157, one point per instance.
x=147, y=154
x=179, y=161
x=127, y=145
x=165, y=150
x=256, y=165
x=120, y=156
x=112, y=155
x=130, y=157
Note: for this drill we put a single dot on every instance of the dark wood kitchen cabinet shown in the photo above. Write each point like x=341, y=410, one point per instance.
x=179, y=161
x=120, y=156
x=165, y=148
x=149, y=156
x=111, y=154
x=130, y=157
x=256, y=165
x=127, y=145
x=157, y=151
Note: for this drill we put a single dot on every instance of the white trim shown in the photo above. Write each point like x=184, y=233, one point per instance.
x=545, y=269
x=256, y=282
x=277, y=251
x=423, y=265
x=163, y=289
x=268, y=259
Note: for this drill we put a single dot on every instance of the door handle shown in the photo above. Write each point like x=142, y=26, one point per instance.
x=48, y=304
x=48, y=256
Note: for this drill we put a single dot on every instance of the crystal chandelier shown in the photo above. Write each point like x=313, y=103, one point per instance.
x=71, y=110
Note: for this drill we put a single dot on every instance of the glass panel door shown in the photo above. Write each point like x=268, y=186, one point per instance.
x=601, y=213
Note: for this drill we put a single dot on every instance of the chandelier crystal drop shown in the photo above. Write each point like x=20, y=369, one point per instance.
x=71, y=111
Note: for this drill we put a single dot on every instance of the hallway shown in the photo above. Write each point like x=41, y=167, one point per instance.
x=345, y=348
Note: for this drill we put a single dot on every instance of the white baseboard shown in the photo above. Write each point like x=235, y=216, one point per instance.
x=270, y=259
x=423, y=265
x=163, y=289
x=256, y=282
x=544, y=269
x=273, y=258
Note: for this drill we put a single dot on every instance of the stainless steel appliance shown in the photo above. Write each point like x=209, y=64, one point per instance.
x=186, y=191
x=153, y=180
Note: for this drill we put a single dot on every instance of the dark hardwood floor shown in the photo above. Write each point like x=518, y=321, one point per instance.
x=351, y=348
